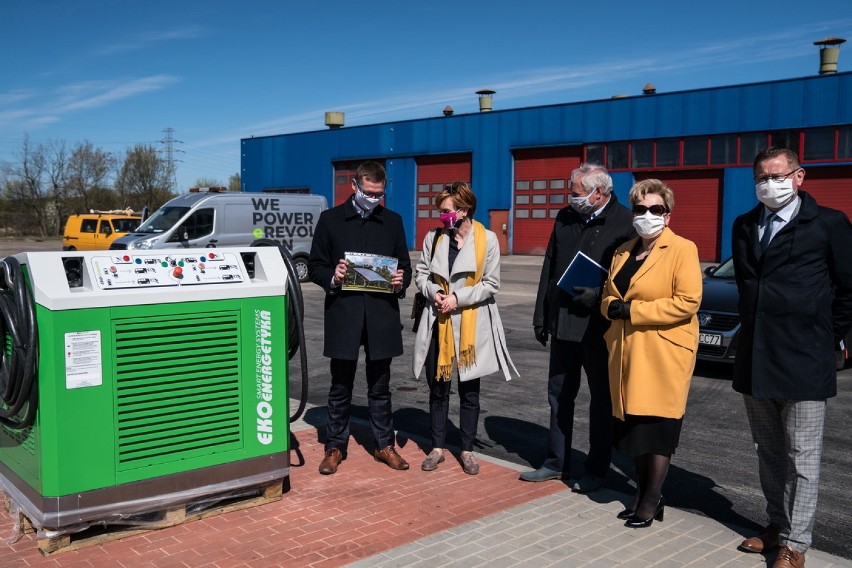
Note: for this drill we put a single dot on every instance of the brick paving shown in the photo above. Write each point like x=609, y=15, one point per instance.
x=370, y=516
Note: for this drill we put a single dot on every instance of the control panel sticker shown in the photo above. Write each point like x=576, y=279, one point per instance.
x=126, y=270
x=83, y=364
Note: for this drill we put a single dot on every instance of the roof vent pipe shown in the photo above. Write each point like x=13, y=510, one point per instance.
x=334, y=119
x=448, y=110
x=829, y=51
x=649, y=89
x=485, y=99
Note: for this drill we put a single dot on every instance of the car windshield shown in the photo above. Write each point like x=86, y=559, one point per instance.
x=124, y=225
x=725, y=270
x=162, y=220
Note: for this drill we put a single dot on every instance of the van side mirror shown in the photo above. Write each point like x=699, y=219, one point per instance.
x=710, y=270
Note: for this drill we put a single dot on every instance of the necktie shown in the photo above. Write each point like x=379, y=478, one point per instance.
x=767, y=232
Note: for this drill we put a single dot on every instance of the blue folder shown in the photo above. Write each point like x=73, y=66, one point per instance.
x=582, y=271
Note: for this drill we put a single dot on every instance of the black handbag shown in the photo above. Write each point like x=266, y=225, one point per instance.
x=420, y=301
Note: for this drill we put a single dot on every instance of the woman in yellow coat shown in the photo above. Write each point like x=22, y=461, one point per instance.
x=652, y=295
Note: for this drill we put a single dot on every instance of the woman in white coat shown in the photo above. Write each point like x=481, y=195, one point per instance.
x=459, y=274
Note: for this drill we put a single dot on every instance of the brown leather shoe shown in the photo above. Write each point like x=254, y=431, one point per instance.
x=329, y=463
x=766, y=540
x=390, y=457
x=789, y=557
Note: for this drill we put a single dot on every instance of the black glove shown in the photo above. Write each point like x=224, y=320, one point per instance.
x=618, y=310
x=586, y=297
x=541, y=335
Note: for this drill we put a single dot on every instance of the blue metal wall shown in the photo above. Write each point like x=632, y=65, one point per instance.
x=305, y=159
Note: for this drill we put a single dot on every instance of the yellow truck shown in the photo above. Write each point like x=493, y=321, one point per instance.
x=97, y=229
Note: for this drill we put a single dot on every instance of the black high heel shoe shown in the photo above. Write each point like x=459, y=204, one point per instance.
x=635, y=522
x=625, y=514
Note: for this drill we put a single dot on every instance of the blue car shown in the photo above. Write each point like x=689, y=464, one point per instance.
x=719, y=321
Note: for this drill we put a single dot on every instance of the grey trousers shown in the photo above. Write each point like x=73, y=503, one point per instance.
x=788, y=437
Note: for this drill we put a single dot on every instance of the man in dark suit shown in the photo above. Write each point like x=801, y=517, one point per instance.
x=354, y=318
x=595, y=224
x=794, y=275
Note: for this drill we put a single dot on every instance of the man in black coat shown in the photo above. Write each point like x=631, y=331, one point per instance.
x=794, y=274
x=354, y=318
x=595, y=224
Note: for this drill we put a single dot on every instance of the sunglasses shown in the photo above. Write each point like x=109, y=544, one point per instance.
x=658, y=210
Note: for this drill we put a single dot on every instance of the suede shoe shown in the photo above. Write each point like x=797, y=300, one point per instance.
x=541, y=474
x=766, y=540
x=391, y=458
x=431, y=462
x=469, y=463
x=329, y=463
x=789, y=557
x=587, y=484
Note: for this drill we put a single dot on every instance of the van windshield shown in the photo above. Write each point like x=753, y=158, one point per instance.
x=162, y=220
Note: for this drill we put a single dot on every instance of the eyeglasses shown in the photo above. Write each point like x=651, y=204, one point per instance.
x=777, y=178
x=658, y=210
x=377, y=195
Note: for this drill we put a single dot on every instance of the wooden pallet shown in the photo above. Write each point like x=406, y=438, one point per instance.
x=153, y=520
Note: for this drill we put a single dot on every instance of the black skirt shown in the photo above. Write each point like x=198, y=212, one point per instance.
x=639, y=435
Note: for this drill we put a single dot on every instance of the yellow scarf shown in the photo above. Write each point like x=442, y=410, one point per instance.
x=467, y=335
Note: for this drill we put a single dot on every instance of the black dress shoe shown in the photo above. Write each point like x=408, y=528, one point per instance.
x=625, y=514
x=635, y=522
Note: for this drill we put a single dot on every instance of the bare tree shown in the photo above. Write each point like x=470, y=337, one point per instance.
x=235, y=183
x=27, y=190
x=56, y=168
x=88, y=170
x=207, y=182
x=143, y=179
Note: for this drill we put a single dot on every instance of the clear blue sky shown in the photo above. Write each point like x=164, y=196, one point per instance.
x=117, y=73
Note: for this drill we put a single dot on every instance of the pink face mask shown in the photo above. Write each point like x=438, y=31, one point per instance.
x=448, y=219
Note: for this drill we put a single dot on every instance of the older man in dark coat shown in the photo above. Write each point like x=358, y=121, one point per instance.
x=794, y=274
x=595, y=224
x=355, y=318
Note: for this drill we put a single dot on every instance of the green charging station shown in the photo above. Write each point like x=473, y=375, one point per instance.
x=161, y=377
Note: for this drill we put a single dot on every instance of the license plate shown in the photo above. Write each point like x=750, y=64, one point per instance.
x=710, y=338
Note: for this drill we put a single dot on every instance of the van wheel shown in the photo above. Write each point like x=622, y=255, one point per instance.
x=71, y=248
x=300, y=263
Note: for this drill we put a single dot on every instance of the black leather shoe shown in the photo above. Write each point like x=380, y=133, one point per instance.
x=635, y=522
x=625, y=514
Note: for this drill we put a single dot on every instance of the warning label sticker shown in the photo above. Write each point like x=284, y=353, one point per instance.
x=83, y=365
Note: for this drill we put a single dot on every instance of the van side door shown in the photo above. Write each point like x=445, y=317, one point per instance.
x=102, y=239
x=88, y=234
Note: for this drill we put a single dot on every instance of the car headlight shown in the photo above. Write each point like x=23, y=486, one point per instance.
x=144, y=244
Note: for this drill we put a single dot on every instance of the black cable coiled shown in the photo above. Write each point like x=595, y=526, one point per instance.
x=295, y=320
x=19, y=353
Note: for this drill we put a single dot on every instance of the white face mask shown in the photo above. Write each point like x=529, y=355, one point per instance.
x=649, y=225
x=774, y=194
x=581, y=204
x=365, y=202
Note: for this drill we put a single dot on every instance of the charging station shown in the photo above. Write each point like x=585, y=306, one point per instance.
x=161, y=377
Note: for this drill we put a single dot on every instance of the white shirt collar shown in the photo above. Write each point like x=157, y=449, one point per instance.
x=785, y=213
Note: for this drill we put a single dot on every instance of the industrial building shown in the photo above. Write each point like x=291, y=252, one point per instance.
x=701, y=142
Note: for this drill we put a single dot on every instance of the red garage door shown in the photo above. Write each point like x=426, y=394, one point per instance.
x=831, y=187
x=343, y=174
x=696, y=215
x=540, y=191
x=433, y=173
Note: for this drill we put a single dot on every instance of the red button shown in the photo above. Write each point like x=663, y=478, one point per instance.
x=178, y=272
x=126, y=258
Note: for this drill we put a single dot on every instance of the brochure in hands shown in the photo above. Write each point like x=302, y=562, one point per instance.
x=369, y=272
x=582, y=271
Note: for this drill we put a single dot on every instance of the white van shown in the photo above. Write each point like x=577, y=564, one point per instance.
x=208, y=219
